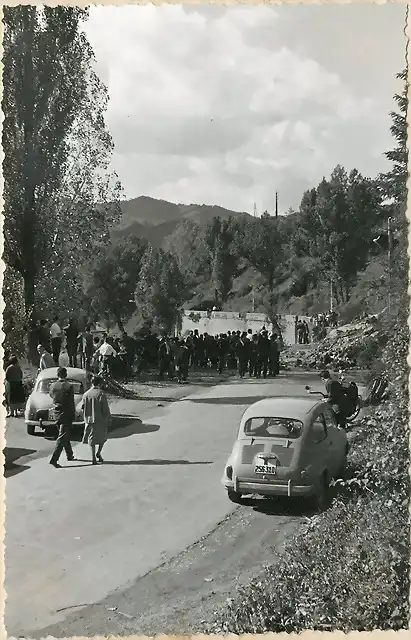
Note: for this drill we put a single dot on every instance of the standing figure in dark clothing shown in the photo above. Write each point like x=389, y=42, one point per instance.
x=222, y=351
x=72, y=333
x=253, y=362
x=306, y=333
x=184, y=361
x=62, y=393
x=44, y=336
x=56, y=336
x=15, y=394
x=263, y=352
x=274, y=356
x=243, y=355
x=165, y=359
x=86, y=344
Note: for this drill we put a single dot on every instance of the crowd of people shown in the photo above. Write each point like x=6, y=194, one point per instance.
x=254, y=354
x=249, y=353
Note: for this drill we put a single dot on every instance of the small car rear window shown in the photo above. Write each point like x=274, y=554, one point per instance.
x=273, y=427
x=44, y=386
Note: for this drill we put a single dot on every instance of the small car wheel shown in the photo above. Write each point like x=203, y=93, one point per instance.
x=31, y=429
x=234, y=496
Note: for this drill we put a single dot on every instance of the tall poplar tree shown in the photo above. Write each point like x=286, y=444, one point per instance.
x=57, y=183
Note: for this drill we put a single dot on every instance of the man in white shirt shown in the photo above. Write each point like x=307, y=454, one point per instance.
x=105, y=353
x=56, y=338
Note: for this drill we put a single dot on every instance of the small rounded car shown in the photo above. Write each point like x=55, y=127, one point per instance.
x=286, y=446
x=39, y=410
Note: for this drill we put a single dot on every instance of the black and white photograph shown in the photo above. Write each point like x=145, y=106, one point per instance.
x=205, y=319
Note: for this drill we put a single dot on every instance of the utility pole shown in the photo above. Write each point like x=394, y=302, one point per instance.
x=276, y=204
x=389, y=230
x=255, y=210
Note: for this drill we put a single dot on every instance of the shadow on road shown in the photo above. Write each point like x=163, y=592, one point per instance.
x=11, y=454
x=124, y=426
x=243, y=400
x=280, y=506
x=121, y=427
x=154, y=462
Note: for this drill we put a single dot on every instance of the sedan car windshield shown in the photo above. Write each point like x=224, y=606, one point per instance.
x=44, y=386
x=273, y=427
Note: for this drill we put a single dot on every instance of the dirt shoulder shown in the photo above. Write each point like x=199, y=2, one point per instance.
x=181, y=594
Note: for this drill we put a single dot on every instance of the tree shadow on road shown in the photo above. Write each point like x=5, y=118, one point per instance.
x=11, y=454
x=245, y=400
x=121, y=427
x=124, y=426
x=155, y=462
x=233, y=401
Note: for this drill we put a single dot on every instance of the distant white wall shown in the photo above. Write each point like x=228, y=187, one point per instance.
x=223, y=321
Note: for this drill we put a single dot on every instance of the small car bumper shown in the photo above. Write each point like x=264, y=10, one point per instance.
x=49, y=423
x=289, y=488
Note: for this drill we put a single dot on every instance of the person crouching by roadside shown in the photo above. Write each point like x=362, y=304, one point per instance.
x=97, y=418
x=46, y=359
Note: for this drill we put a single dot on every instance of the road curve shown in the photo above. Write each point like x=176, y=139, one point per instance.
x=82, y=537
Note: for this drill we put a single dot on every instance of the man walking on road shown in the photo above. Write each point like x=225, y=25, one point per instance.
x=62, y=393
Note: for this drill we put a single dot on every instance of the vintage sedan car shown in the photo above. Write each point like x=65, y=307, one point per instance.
x=39, y=410
x=286, y=446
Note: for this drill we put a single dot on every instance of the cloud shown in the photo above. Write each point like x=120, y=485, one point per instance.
x=227, y=105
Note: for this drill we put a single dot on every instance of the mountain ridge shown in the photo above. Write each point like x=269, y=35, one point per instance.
x=155, y=219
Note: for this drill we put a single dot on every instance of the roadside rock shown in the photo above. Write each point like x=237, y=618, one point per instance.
x=345, y=347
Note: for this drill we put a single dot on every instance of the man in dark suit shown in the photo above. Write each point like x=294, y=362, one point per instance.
x=62, y=393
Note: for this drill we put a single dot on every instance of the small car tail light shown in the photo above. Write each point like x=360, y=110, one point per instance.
x=229, y=472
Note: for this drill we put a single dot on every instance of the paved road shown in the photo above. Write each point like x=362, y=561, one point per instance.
x=108, y=542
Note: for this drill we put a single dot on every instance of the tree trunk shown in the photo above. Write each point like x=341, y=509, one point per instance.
x=120, y=324
x=29, y=294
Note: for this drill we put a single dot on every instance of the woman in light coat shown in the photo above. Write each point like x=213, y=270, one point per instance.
x=97, y=418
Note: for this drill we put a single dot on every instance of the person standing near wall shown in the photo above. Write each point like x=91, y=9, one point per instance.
x=56, y=337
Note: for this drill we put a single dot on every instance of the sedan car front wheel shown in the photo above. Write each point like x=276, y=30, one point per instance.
x=234, y=496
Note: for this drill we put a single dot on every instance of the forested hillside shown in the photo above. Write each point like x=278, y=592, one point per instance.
x=145, y=259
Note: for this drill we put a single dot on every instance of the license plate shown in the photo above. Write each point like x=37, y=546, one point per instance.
x=266, y=468
x=52, y=415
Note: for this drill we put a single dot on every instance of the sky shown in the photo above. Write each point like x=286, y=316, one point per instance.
x=227, y=105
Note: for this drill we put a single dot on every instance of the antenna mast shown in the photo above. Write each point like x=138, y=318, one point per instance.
x=276, y=204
